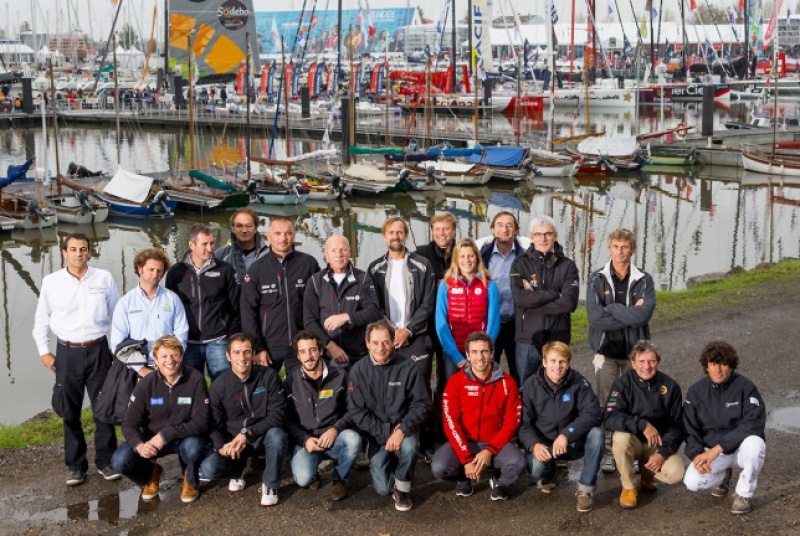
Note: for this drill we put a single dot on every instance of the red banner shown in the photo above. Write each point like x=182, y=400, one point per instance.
x=240, y=78
x=312, y=74
x=264, y=77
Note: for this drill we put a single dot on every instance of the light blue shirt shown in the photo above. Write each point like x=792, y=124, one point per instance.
x=500, y=268
x=138, y=317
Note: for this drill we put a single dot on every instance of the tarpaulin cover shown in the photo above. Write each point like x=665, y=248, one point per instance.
x=129, y=186
x=498, y=156
x=15, y=173
x=451, y=153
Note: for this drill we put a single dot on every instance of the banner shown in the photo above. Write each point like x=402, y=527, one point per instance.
x=218, y=30
x=240, y=74
x=320, y=83
x=271, y=79
x=310, y=82
x=480, y=23
x=264, y=77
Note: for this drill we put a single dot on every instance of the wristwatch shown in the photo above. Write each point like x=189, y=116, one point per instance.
x=245, y=432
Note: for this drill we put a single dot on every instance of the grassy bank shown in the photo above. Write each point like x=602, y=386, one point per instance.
x=726, y=293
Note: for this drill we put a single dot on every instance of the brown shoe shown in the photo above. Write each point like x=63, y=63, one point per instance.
x=315, y=484
x=627, y=499
x=648, y=481
x=188, y=492
x=724, y=486
x=585, y=501
x=150, y=490
x=338, y=490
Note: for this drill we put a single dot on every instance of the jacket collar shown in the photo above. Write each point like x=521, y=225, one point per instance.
x=635, y=273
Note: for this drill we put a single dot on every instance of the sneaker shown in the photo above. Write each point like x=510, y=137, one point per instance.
x=636, y=468
x=499, y=493
x=648, y=481
x=236, y=485
x=76, y=478
x=402, y=500
x=547, y=486
x=585, y=501
x=269, y=496
x=609, y=465
x=741, y=505
x=627, y=499
x=562, y=464
x=189, y=493
x=338, y=490
x=725, y=486
x=362, y=461
x=109, y=474
x=315, y=484
x=325, y=467
x=463, y=488
x=426, y=457
x=150, y=490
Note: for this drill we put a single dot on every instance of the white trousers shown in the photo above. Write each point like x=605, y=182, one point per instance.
x=749, y=458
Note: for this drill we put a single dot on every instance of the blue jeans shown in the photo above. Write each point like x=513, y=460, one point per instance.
x=529, y=359
x=590, y=449
x=394, y=468
x=507, y=465
x=344, y=451
x=212, y=354
x=190, y=451
x=271, y=446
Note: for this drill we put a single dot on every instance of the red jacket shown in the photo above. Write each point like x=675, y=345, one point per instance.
x=480, y=411
x=467, y=308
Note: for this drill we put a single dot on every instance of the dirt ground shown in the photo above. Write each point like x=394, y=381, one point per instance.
x=762, y=325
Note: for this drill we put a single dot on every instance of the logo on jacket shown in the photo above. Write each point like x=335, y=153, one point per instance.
x=246, y=278
x=754, y=401
x=212, y=274
x=478, y=291
x=395, y=384
x=157, y=401
x=184, y=400
x=729, y=404
x=566, y=397
x=325, y=393
x=259, y=390
x=663, y=390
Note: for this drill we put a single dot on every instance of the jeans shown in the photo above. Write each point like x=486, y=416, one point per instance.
x=78, y=370
x=589, y=448
x=529, y=359
x=344, y=451
x=190, y=451
x=211, y=354
x=394, y=469
x=272, y=446
x=509, y=463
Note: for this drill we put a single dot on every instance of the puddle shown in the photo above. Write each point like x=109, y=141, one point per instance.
x=109, y=508
x=785, y=420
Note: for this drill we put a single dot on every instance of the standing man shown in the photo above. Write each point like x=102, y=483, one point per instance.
x=248, y=408
x=209, y=293
x=167, y=414
x=318, y=423
x=561, y=420
x=272, y=297
x=388, y=403
x=339, y=303
x=149, y=311
x=644, y=413
x=76, y=305
x=725, y=417
x=620, y=299
x=544, y=284
x=245, y=245
x=498, y=256
x=481, y=409
x=405, y=284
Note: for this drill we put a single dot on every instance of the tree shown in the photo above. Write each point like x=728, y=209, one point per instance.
x=127, y=36
x=25, y=27
x=711, y=14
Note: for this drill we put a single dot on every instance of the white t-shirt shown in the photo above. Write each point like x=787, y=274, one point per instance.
x=339, y=278
x=397, y=292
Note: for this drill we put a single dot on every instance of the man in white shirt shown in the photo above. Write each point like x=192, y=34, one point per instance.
x=75, y=305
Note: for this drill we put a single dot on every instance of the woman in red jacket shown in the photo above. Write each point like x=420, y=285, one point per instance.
x=467, y=301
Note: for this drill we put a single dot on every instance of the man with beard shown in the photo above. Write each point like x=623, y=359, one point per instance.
x=318, y=424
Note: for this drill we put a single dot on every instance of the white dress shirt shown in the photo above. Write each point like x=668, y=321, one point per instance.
x=72, y=309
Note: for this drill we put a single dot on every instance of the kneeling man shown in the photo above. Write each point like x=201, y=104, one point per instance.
x=725, y=418
x=644, y=412
x=248, y=407
x=167, y=414
x=317, y=420
x=561, y=420
x=481, y=409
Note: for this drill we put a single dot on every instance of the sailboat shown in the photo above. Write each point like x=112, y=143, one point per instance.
x=21, y=212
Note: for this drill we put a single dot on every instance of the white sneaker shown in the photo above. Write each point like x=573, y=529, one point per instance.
x=269, y=496
x=236, y=484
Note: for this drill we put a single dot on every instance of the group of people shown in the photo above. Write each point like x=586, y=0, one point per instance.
x=396, y=363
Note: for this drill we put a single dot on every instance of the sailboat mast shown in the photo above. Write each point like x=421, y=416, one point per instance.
x=166, y=41
x=116, y=96
x=191, y=100
x=386, y=103
x=286, y=99
x=55, y=116
x=247, y=76
x=747, y=36
x=775, y=49
x=453, y=44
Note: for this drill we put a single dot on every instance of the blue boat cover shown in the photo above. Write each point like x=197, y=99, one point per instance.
x=498, y=156
x=16, y=173
x=507, y=201
x=451, y=153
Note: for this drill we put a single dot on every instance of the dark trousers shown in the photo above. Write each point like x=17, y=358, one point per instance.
x=508, y=464
x=420, y=351
x=281, y=355
x=505, y=343
x=190, y=451
x=79, y=370
x=271, y=446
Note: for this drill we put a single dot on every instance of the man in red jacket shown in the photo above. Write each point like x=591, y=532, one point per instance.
x=481, y=411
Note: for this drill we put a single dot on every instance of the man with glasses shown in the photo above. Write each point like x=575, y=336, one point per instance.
x=544, y=283
x=498, y=256
x=245, y=245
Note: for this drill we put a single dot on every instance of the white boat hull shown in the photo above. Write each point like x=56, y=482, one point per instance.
x=762, y=165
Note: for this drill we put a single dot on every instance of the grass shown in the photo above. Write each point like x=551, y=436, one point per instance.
x=47, y=428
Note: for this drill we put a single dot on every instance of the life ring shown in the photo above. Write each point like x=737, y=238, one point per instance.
x=682, y=130
x=680, y=184
x=462, y=103
x=468, y=103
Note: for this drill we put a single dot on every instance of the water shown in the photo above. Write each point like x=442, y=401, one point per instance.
x=785, y=420
x=686, y=226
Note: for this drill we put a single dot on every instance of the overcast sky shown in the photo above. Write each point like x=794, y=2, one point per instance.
x=95, y=16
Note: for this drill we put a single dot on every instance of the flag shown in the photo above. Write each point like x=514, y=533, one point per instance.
x=668, y=50
x=610, y=10
x=553, y=13
x=276, y=37
x=788, y=14
x=654, y=14
x=732, y=16
x=643, y=28
x=708, y=46
x=428, y=51
x=627, y=46
x=693, y=5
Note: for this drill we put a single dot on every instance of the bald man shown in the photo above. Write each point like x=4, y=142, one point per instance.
x=339, y=303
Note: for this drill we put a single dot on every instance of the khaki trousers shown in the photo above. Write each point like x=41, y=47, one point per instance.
x=627, y=448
